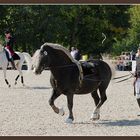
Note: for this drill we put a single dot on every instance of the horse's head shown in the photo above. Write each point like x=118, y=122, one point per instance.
x=51, y=56
x=40, y=60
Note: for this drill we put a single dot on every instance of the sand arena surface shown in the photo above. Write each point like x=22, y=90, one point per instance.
x=24, y=111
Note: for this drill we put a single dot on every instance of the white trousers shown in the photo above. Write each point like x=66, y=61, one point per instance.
x=137, y=88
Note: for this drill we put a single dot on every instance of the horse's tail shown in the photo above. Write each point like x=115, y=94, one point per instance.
x=28, y=60
x=111, y=65
x=112, y=68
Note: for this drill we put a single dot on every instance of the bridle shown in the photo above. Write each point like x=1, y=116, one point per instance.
x=62, y=66
x=73, y=65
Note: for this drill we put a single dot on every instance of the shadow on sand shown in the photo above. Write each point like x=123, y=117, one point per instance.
x=37, y=87
x=135, y=122
x=32, y=88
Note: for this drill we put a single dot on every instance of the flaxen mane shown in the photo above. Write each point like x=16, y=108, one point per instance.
x=66, y=51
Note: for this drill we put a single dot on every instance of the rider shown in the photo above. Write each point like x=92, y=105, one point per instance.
x=9, y=47
x=137, y=79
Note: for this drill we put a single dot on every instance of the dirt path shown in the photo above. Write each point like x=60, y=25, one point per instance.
x=24, y=111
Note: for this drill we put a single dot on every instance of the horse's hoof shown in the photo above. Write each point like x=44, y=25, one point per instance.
x=69, y=121
x=23, y=85
x=61, y=112
x=95, y=117
x=9, y=86
x=15, y=83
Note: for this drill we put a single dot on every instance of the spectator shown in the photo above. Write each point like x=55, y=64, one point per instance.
x=132, y=55
x=84, y=57
x=137, y=79
x=120, y=63
x=75, y=53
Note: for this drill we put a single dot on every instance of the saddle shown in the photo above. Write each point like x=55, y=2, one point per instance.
x=89, y=68
x=15, y=56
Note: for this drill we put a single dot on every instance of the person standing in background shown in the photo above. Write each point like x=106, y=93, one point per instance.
x=137, y=79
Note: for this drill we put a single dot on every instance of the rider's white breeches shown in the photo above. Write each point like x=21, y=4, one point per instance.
x=137, y=88
x=10, y=56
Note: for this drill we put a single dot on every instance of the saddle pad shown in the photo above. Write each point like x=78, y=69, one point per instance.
x=16, y=57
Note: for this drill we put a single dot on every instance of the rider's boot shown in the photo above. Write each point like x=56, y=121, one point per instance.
x=13, y=64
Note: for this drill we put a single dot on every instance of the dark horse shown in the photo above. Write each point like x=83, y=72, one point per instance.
x=70, y=77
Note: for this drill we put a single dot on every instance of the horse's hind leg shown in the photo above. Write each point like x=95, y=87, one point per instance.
x=96, y=98
x=16, y=79
x=22, y=80
x=54, y=96
x=103, y=98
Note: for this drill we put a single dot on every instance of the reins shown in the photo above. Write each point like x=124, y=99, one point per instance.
x=85, y=77
x=130, y=76
x=121, y=76
x=125, y=79
x=64, y=66
x=70, y=65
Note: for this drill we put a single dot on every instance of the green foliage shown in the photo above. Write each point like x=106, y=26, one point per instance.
x=132, y=40
x=70, y=25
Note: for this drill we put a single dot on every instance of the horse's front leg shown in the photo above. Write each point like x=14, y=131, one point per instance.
x=54, y=96
x=70, y=106
x=4, y=71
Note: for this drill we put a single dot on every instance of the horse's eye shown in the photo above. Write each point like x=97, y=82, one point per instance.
x=45, y=53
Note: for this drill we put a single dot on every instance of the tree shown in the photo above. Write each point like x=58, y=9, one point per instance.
x=70, y=25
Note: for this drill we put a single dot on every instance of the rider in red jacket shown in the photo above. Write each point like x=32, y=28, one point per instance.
x=9, y=47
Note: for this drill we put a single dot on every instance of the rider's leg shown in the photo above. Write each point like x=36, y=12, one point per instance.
x=11, y=59
x=138, y=101
x=137, y=89
x=13, y=63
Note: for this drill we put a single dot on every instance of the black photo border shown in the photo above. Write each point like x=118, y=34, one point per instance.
x=121, y=2
x=70, y=1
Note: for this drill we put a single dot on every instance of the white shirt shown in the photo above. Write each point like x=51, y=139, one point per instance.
x=73, y=53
